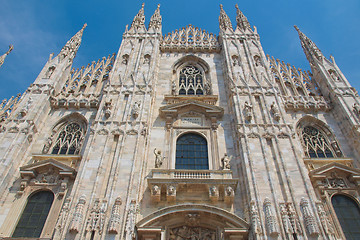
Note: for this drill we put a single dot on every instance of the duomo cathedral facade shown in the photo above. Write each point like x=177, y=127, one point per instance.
x=186, y=135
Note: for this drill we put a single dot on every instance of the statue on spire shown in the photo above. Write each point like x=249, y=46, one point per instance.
x=139, y=19
x=241, y=20
x=155, y=20
x=71, y=47
x=2, y=58
x=224, y=20
x=309, y=46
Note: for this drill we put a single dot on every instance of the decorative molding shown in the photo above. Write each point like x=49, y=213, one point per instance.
x=309, y=218
x=270, y=219
x=78, y=215
x=115, y=217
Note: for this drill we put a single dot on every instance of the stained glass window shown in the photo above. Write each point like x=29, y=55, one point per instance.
x=316, y=144
x=69, y=139
x=191, y=152
x=191, y=81
x=348, y=214
x=34, y=215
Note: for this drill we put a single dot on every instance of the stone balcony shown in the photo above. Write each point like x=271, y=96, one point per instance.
x=191, y=185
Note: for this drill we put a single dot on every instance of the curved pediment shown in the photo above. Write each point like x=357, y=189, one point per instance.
x=190, y=38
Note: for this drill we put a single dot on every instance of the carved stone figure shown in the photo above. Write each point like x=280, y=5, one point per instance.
x=309, y=218
x=49, y=72
x=225, y=162
x=155, y=190
x=115, y=218
x=192, y=233
x=270, y=219
x=275, y=111
x=136, y=110
x=356, y=108
x=248, y=111
x=2, y=58
x=47, y=145
x=25, y=109
x=78, y=215
x=107, y=107
x=158, y=158
x=130, y=221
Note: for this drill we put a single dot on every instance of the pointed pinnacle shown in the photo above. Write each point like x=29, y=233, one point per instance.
x=84, y=26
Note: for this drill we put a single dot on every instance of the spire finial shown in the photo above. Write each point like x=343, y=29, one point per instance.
x=309, y=47
x=156, y=19
x=139, y=19
x=71, y=47
x=241, y=20
x=224, y=20
x=2, y=58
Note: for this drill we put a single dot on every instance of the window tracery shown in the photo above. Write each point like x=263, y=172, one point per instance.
x=191, y=81
x=69, y=139
x=317, y=145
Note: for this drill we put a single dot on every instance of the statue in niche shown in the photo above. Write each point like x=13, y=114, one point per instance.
x=225, y=162
x=207, y=88
x=49, y=72
x=173, y=88
x=136, y=110
x=334, y=75
x=257, y=60
x=275, y=111
x=356, y=108
x=158, y=158
x=125, y=59
x=47, y=145
x=147, y=59
x=248, y=111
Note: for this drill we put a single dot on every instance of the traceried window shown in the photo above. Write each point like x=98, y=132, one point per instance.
x=191, y=81
x=348, y=214
x=191, y=152
x=316, y=144
x=34, y=215
x=69, y=139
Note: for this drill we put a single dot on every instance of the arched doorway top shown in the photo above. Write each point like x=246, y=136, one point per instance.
x=206, y=216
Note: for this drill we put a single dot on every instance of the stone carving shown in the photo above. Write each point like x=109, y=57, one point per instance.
x=96, y=218
x=309, y=218
x=224, y=20
x=107, y=107
x=48, y=144
x=241, y=20
x=139, y=19
x=130, y=221
x=324, y=219
x=356, y=108
x=146, y=59
x=275, y=111
x=286, y=220
x=186, y=232
x=192, y=219
x=115, y=218
x=155, y=20
x=171, y=190
x=213, y=191
x=334, y=75
x=135, y=110
x=190, y=38
x=50, y=71
x=25, y=109
x=294, y=220
x=155, y=190
x=235, y=60
x=158, y=158
x=63, y=216
x=71, y=47
x=2, y=58
x=335, y=181
x=257, y=60
x=270, y=219
x=248, y=111
x=225, y=162
x=78, y=215
x=255, y=220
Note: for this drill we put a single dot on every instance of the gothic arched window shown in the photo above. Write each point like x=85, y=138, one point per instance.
x=191, y=81
x=316, y=144
x=34, y=215
x=348, y=214
x=69, y=139
x=191, y=152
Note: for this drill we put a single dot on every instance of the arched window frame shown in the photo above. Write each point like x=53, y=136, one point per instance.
x=329, y=139
x=59, y=128
x=348, y=196
x=207, y=151
x=206, y=135
x=203, y=68
x=27, y=208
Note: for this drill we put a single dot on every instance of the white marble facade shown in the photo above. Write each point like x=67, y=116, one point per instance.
x=117, y=177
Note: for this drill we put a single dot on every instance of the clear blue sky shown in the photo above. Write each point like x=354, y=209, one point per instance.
x=38, y=28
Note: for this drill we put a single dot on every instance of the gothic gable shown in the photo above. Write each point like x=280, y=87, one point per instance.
x=194, y=106
x=49, y=166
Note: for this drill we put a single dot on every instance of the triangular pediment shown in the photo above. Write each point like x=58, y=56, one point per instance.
x=191, y=106
x=45, y=166
x=330, y=168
